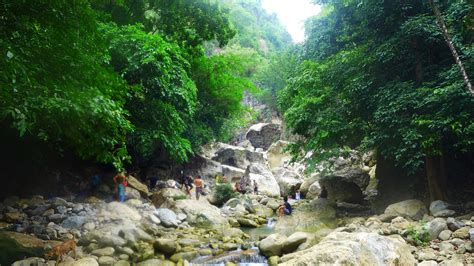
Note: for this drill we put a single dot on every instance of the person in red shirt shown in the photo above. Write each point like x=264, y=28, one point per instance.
x=120, y=181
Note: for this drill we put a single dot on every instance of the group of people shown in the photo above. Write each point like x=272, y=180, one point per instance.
x=241, y=186
x=187, y=182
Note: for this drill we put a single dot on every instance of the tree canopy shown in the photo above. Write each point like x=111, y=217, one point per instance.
x=111, y=80
x=379, y=75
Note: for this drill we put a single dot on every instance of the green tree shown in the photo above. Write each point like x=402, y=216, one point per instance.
x=378, y=75
x=55, y=85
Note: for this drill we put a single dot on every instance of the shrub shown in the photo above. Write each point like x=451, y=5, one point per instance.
x=420, y=236
x=224, y=192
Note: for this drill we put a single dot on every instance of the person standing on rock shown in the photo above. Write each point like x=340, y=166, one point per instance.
x=120, y=181
x=199, y=184
x=255, y=187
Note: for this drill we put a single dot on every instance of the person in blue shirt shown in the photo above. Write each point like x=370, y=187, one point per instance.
x=285, y=208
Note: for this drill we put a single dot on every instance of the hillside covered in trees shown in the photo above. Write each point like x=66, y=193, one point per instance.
x=177, y=132
x=113, y=81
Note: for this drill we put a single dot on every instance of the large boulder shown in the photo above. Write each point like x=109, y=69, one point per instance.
x=266, y=182
x=74, y=222
x=15, y=246
x=288, y=180
x=439, y=208
x=314, y=190
x=134, y=183
x=167, y=217
x=165, y=197
x=346, y=184
x=341, y=248
x=413, y=209
x=293, y=241
x=237, y=156
x=262, y=135
x=277, y=157
x=201, y=213
x=307, y=183
x=272, y=245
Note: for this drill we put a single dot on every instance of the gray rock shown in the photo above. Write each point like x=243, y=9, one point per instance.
x=127, y=250
x=57, y=217
x=135, y=234
x=111, y=241
x=131, y=193
x=471, y=234
x=77, y=208
x=182, y=216
x=457, y=242
x=123, y=261
x=293, y=241
x=167, y=246
x=446, y=247
x=229, y=246
x=263, y=135
x=154, y=219
x=61, y=209
x=74, y=222
x=462, y=233
x=108, y=251
x=444, y=213
x=272, y=245
x=29, y=261
x=445, y=235
x=167, y=217
x=438, y=206
x=106, y=260
x=454, y=224
x=89, y=226
x=341, y=248
x=426, y=254
x=413, y=209
x=436, y=226
x=59, y=202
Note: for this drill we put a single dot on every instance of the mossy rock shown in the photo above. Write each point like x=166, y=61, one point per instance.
x=16, y=246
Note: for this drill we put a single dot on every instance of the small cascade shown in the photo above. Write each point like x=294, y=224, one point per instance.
x=271, y=222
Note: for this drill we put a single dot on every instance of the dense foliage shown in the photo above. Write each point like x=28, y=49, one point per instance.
x=112, y=80
x=378, y=74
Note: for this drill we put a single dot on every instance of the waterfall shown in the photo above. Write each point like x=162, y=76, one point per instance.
x=271, y=222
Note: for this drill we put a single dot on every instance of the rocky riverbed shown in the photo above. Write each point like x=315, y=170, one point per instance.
x=167, y=227
x=137, y=232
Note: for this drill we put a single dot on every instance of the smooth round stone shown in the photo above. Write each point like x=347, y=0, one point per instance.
x=108, y=251
x=106, y=260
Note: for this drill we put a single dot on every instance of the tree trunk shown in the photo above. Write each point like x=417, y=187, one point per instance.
x=447, y=38
x=436, y=176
